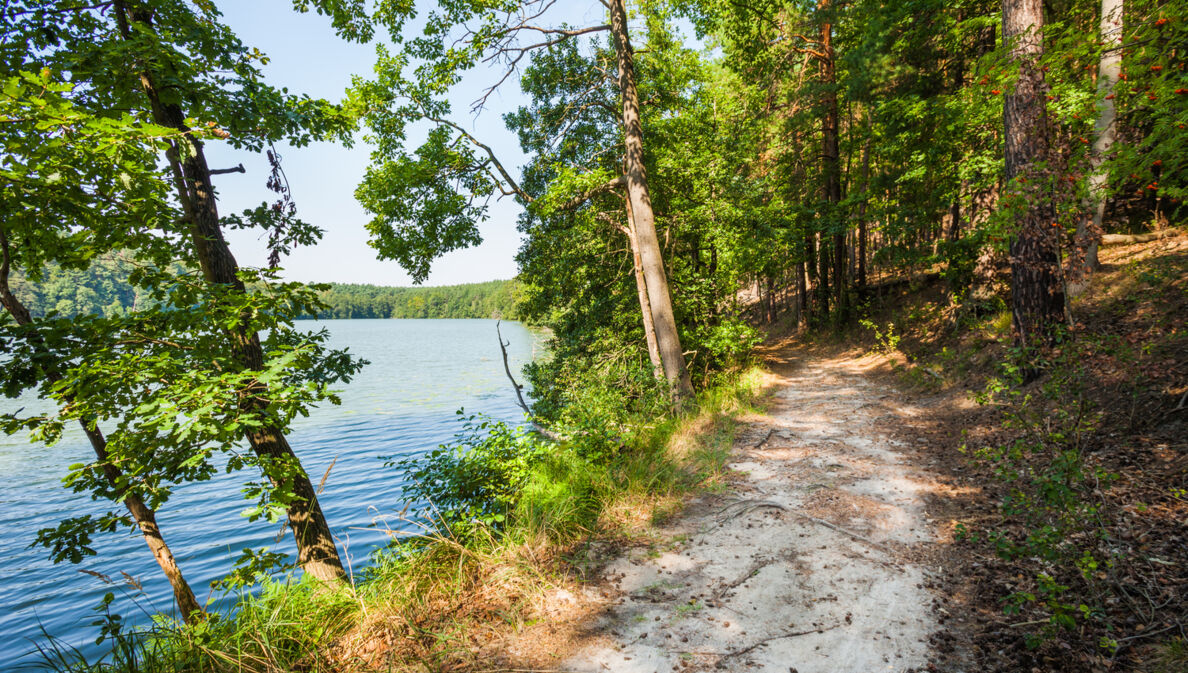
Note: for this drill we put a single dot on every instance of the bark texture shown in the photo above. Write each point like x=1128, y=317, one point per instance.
x=316, y=552
x=831, y=162
x=1037, y=295
x=1091, y=226
x=641, y=288
x=667, y=339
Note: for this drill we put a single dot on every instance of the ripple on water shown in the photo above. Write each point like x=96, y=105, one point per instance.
x=402, y=404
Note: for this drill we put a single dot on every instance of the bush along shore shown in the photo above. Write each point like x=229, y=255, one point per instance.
x=513, y=516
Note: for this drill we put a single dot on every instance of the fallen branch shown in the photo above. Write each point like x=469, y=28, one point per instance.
x=750, y=505
x=747, y=574
x=763, y=441
x=782, y=636
x=1128, y=239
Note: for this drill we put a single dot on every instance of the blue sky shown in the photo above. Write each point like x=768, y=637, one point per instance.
x=307, y=57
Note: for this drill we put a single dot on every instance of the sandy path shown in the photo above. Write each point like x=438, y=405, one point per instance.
x=803, y=566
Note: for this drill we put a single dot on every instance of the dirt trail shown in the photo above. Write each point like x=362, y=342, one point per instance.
x=804, y=565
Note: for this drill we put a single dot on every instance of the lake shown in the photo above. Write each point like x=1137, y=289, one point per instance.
x=403, y=403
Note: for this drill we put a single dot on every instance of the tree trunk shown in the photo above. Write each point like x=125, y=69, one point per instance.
x=145, y=518
x=862, y=212
x=1037, y=295
x=831, y=158
x=667, y=339
x=641, y=289
x=823, y=261
x=801, y=289
x=316, y=551
x=1104, y=134
x=812, y=283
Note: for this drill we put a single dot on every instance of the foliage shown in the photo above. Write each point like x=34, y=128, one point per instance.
x=475, y=481
x=1052, y=486
x=102, y=289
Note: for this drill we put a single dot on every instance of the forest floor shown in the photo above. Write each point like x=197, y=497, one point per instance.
x=832, y=544
x=814, y=557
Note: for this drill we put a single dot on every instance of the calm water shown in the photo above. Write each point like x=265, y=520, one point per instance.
x=421, y=372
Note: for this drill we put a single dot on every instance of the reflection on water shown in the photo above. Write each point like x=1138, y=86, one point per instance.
x=403, y=403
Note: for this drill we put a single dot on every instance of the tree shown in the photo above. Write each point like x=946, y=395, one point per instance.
x=64, y=160
x=213, y=381
x=317, y=553
x=1037, y=295
x=1090, y=227
x=427, y=203
x=643, y=220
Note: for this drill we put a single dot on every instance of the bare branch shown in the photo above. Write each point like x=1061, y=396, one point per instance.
x=515, y=187
x=545, y=432
x=224, y=171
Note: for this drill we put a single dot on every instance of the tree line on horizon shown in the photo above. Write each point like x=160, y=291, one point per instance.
x=102, y=290
x=671, y=195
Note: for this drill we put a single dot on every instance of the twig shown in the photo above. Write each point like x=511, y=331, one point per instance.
x=747, y=574
x=764, y=440
x=748, y=505
x=1180, y=406
x=790, y=634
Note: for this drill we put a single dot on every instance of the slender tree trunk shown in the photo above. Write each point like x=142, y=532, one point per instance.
x=641, y=289
x=316, y=552
x=144, y=516
x=812, y=281
x=824, y=259
x=667, y=338
x=1104, y=133
x=862, y=212
x=1037, y=294
x=801, y=289
x=831, y=157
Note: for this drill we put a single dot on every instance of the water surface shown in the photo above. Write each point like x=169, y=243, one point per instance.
x=403, y=403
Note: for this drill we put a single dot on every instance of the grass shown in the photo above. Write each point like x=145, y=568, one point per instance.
x=437, y=602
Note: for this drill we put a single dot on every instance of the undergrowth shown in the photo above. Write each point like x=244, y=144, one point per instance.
x=1073, y=550
x=506, y=517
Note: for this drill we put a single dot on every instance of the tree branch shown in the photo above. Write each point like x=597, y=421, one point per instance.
x=515, y=187
x=543, y=431
x=591, y=193
x=224, y=171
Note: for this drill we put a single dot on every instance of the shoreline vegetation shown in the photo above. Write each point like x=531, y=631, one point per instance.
x=102, y=289
x=952, y=187
x=525, y=518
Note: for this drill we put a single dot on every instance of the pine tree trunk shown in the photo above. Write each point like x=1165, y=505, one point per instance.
x=316, y=552
x=862, y=213
x=1037, y=295
x=144, y=516
x=831, y=158
x=823, y=261
x=667, y=338
x=1088, y=236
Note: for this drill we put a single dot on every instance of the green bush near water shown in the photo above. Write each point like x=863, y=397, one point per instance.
x=495, y=488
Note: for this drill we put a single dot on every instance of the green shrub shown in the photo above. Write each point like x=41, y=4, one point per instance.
x=1050, y=488
x=473, y=481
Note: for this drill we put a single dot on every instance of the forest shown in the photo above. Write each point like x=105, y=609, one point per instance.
x=102, y=289
x=707, y=181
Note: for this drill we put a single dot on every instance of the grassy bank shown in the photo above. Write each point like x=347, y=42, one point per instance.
x=524, y=518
